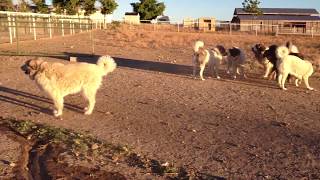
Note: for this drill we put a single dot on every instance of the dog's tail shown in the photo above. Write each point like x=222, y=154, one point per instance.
x=282, y=51
x=107, y=63
x=197, y=46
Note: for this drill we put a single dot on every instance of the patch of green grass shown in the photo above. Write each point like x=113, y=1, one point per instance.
x=80, y=144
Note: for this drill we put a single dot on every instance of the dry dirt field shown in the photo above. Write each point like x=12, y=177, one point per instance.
x=213, y=129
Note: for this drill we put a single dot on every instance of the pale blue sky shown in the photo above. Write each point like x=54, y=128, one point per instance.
x=220, y=9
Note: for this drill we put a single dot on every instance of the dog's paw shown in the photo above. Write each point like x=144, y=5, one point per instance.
x=88, y=112
x=57, y=113
x=218, y=77
x=311, y=89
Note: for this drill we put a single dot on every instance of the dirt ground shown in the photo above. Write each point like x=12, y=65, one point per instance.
x=232, y=129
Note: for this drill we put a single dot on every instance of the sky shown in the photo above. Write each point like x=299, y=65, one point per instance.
x=177, y=10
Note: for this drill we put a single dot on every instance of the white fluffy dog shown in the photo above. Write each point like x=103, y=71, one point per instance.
x=202, y=57
x=293, y=65
x=59, y=80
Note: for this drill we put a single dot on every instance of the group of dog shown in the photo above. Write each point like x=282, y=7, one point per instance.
x=282, y=62
x=59, y=80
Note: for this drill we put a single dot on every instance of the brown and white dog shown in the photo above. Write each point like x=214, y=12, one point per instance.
x=268, y=58
x=292, y=65
x=211, y=57
x=59, y=80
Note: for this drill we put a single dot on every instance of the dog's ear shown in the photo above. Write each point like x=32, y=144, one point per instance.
x=37, y=64
x=43, y=66
x=32, y=64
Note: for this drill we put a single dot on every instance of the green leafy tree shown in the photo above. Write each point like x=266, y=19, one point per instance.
x=88, y=6
x=41, y=6
x=108, y=6
x=71, y=7
x=23, y=6
x=252, y=6
x=148, y=9
x=6, y=5
x=59, y=6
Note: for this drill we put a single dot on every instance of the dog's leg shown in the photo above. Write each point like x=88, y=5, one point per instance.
x=201, y=72
x=269, y=66
x=279, y=79
x=283, y=81
x=194, y=66
x=306, y=82
x=234, y=70
x=90, y=95
x=229, y=64
x=216, y=70
x=194, y=70
x=58, y=103
x=297, y=82
x=241, y=68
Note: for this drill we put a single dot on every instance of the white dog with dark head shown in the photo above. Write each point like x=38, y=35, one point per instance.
x=59, y=80
x=211, y=57
x=293, y=65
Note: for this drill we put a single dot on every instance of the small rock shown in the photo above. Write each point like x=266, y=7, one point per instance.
x=165, y=164
x=29, y=137
x=13, y=164
x=94, y=146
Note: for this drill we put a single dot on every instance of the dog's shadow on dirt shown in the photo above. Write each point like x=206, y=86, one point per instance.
x=26, y=100
x=176, y=69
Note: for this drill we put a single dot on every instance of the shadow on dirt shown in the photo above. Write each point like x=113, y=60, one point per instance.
x=27, y=103
x=176, y=69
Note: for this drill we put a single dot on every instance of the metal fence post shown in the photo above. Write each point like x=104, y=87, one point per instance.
x=10, y=27
x=14, y=24
x=178, y=27
x=17, y=38
x=70, y=26
x=92, y=39
x=34, y=28
x=62, y=27
x=312, y=32
x=50, y=30
x=256, y=30
x=230, y=28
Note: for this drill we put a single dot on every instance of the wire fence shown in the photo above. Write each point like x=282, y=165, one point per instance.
x=224, y=27
x=16, y=27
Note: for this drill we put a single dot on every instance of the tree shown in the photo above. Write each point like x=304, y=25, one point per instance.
x=41, y=6
x=23, y=6
x=6, y=5
x=59, y=6
x=108, y=6
x=252, y=6
x=148, y=9
x=71, y=7
x=88, y=6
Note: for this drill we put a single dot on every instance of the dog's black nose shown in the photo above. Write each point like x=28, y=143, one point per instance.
x=25, y=69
